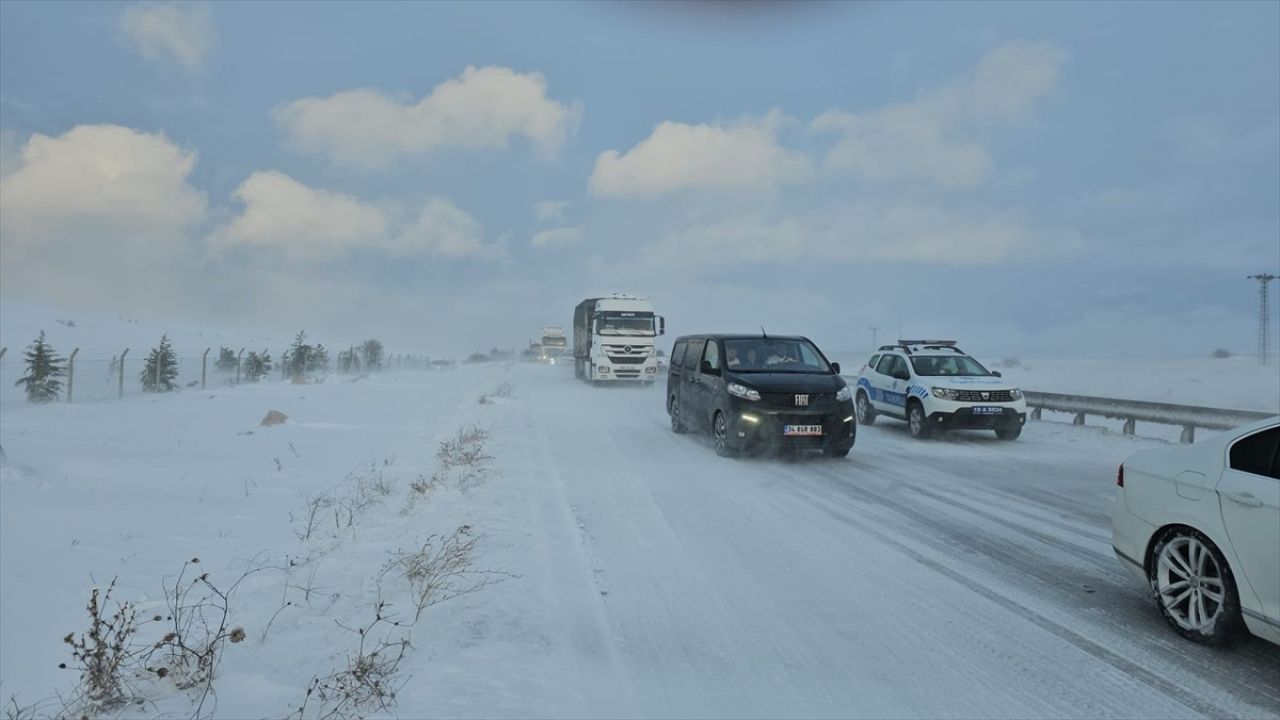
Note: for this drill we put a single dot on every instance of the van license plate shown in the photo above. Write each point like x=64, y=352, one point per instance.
x=986, y=410
x=802, y=430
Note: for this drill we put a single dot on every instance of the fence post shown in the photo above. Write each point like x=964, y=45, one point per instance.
x=121, y=382
x=1188, y=434
x=71, y=373
x=238, y=356
x=1079, y=419
x=1035, y=413
x=204, y=367
x=1129, y=426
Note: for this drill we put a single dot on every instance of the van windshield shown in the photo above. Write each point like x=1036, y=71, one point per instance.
x=774, y=356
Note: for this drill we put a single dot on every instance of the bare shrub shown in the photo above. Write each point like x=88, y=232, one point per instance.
x=440, y=570
x=315, y=507
x=371, y=680
x=103, y=654
x=188, y=655
x=463, y=459
x=422, y=489
x=1221, y=353
x=504, y=389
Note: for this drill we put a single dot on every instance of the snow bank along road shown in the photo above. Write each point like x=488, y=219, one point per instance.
x=959, y=577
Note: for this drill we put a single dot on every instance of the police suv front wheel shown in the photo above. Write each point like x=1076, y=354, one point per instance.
x=917, y=421
x=862, y=408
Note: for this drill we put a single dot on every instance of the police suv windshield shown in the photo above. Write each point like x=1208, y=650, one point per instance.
x=774, y=356
x=954, y=365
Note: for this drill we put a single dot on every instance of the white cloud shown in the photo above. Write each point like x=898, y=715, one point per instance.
x=444, y=229
x=482, y=108
x=302, y=222
x=181, y=32
x=98, y=212
x=283, y=213
x=557, y=237
x=678, y=156
x=550, y=210
x=922, y=140
x=1207, y=140
x=863, y=231
x=98, y=179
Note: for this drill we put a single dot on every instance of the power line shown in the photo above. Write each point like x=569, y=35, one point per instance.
x=1264, y=315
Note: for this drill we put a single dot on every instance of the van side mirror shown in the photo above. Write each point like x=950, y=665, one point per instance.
x=996, y=373
x=835, y=368
x=707, y=369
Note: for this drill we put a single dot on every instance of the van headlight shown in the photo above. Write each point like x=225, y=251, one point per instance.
x=843, y=394
x=946, y=393
x=1016, y=394
x=742, y=391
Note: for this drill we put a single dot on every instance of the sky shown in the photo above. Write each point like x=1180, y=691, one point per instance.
x=1028, y=178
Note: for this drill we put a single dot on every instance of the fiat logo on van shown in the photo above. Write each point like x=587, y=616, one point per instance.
x=802, y=401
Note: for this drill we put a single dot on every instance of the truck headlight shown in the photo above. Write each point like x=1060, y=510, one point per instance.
x=742, y=391
x=946, y=393
x=843, y=394
x=1016, y=394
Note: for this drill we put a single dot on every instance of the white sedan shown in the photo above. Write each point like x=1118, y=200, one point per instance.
x=1201, y=524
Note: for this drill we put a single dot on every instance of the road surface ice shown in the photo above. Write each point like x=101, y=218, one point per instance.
x=639, y=574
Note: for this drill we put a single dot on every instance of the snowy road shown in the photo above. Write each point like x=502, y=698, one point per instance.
x=959, y=577
x=962, y=577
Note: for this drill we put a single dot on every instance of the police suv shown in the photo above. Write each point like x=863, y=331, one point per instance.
x=933, y=385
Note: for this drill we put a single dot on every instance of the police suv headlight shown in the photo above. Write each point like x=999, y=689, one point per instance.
x=843, y=394
x=742, y=391
x=1016, y=394
x=946, y=393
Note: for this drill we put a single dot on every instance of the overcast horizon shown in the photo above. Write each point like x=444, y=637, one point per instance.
x=1028, y=179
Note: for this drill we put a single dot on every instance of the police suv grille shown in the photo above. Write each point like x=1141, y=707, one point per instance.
x=788, y=400
x=991, y=396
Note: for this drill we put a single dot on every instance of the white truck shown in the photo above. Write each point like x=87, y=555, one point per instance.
x=554, y=344
x=613, y=340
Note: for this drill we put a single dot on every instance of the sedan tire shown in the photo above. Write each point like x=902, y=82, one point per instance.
x=1194, y=587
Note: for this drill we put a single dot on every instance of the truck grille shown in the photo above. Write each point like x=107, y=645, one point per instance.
x=627, y=359
x=991, y=396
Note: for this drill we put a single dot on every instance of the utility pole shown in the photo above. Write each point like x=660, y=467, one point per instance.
x=1264, y=315
x=874, y=329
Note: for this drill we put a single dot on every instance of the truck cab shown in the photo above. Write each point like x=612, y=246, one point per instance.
x=614, y=340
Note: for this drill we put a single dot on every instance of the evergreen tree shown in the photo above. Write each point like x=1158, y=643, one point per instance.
x=45, y=369
x=160, y=372
x=348, y=362
x=257, y=366
x=295, y=359
x=226, y=360
x=318, y=359
x=372, y=350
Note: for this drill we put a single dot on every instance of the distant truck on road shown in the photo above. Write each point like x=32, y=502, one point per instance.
x=554, y=344
x=613, y=340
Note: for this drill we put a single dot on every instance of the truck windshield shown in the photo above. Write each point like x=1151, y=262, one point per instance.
x=774, y=356
x=960, y=365
x=607, y=324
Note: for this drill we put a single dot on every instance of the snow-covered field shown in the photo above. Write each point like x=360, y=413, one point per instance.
x=637, y=574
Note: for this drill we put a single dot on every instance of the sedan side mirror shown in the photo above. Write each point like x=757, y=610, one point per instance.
x=996, y=373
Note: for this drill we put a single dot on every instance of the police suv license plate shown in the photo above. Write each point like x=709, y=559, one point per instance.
x=986, y=410
x=805, y=430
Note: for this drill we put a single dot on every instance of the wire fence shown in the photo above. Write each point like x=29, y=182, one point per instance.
x=96, y=375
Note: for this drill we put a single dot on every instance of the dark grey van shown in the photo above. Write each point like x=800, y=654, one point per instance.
x=759, y=391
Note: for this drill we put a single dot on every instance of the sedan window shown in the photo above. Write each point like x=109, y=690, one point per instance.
x=1256, y=453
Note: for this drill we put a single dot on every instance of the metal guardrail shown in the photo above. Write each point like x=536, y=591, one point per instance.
x=1189, y=417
